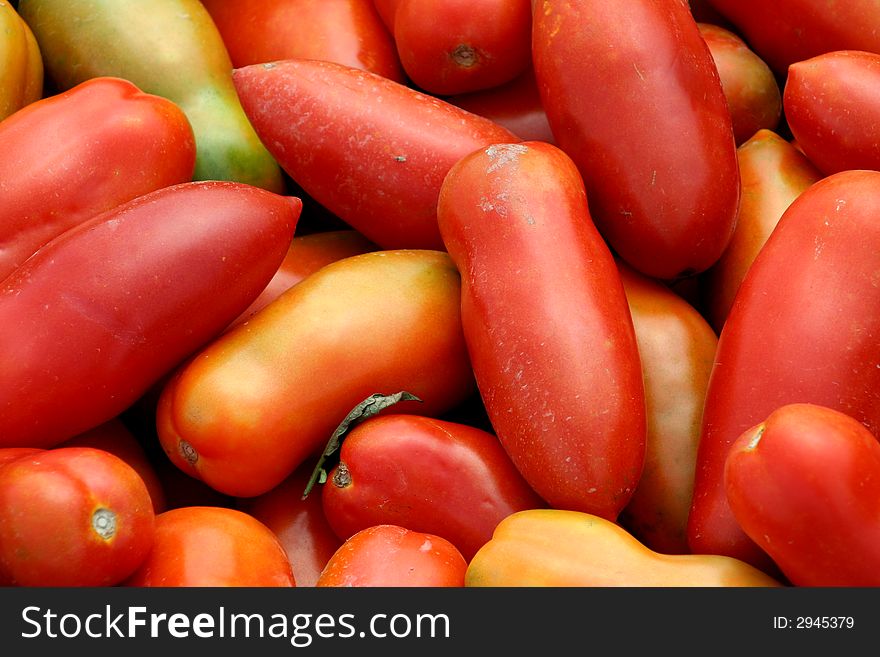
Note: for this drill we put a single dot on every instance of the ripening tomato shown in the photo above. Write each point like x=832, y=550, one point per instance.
x=388, y=555
x=348, y=32
x=73, y=516
x=832, y=105
x=554, y=547
x=802, y=329
x=427, y=475
x=633, y=96
x=21, y=64
x=805, y=485
x=213, y=546
x=547, y=325
x=246, y=411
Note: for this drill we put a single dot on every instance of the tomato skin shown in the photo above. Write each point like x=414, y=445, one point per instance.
x=749, y=85
x=618, y=82
x=145, y=285
x=773, y=173
x=456, y=46
x=787, y=31
x=52, y=506
x=299, y=524
x=515, y=221
x=556, y=547
x=515, y=105
x=388, y=555
x=676, y=350
x=807, y=340
x=804, y=485
x=213, y=546
x=357, y=143
x=251, y=406
x=348, y=32
x=174, y=51
x=306, y=255
x=427, y=475
x=114, y=437
x=831, y=106
x=21, y=64
x=98, y=145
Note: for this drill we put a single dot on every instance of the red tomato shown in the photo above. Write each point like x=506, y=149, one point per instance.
x=250, y=407
x=372, y=151
x=9, y=454
x=299, y=524
x=786, y=31
x=21, y=64
x=452, y=480
x=632, y=94
x=802, y=329
x=805, y=486
x=114, y=437
x=832, y=105
x=213, y=546
x=547, y=325
x=145, y=285
x=387, y=555
x=306, y=255
x=773, y=174
x=455, y=46
x=96, y=146
x=348, y=32
x=515, y=105
x=676, y=349
x=750, y=87
x=73, y=516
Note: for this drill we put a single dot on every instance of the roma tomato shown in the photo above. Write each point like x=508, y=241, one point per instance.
x=145, y=284
x=618, y=82
x=427, y=475
x=213, y=546
x=388, y=555
x=299, y=524
x=96, y=146
x=250, y=407
x=370, y=150
x=554, y=547
x=805, y=486
x=783, y=32
x=114, y=437
x=676, y=349
x=547, y=325
x=455, y=46
x=9, y=454
x=515, y=105
x=348, y=32
x=749, y=85
x=21, y=64
x=173, y=50
x=773, y=173
x=73, y=516
x=306, y=255
x=802, y=329
x=832, y=105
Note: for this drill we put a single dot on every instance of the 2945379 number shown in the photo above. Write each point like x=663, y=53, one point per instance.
x=813, y=622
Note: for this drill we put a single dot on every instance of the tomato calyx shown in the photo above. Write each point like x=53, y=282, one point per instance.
x=464, y=56
x=342, y=476
x=104, y=523
x=369, y=407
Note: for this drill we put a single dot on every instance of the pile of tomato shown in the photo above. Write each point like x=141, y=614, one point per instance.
x=439, y=293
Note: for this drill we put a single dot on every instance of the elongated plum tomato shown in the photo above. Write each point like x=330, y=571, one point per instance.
x=248, y=409
x=427, y=475
x=213, y=546
x=21, y=64
x=389, y=555
x=73, y=516
x=805, y=486
x=547, y=325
